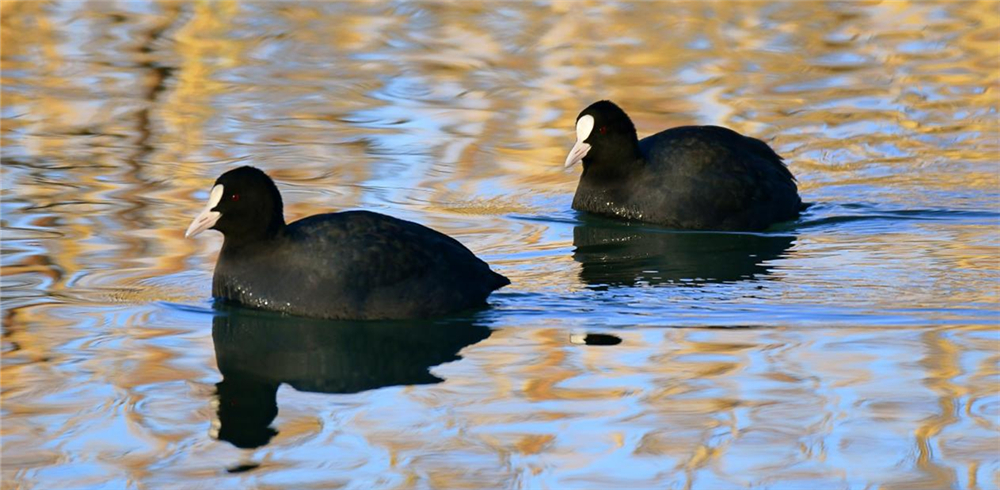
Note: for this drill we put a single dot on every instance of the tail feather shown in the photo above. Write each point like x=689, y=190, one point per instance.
x=499, y=280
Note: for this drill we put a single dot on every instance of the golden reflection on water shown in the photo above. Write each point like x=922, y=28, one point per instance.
x=875, y=361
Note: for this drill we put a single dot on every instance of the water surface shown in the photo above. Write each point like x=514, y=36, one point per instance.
x=855, y=348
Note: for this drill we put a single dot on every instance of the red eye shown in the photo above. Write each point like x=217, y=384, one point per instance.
x=603, y=129
x=235, y=197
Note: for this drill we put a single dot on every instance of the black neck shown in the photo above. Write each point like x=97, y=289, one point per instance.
x=611, y=171
x=250, y=239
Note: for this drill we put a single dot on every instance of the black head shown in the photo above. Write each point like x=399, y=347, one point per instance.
x=605, y=137
x=244, y=205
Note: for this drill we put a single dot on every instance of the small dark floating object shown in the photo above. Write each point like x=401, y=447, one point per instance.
x=243, y=468
x=689, y=177
x=354, y=265
x=595, y=339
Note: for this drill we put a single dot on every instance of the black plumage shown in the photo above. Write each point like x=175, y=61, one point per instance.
x=689, y=177
x=349, y=265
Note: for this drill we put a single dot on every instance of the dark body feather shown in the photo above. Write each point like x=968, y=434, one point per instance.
x=689, y=177
x=355, y=265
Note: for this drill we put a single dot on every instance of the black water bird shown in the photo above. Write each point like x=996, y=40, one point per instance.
x=688, y=177
x=349, y=265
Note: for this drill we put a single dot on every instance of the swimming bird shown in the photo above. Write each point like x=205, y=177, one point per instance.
x=688, y=177
x=354, y=265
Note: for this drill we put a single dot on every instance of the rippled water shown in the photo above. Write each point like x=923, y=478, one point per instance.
x=855, y=348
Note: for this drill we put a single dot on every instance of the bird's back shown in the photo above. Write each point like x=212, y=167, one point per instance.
x=361, y=265
x=709, y=177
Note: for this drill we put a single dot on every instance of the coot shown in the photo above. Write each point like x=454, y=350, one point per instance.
x=350, y=265
x=689, y=177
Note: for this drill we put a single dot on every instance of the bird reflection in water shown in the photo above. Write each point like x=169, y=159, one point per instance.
x=258, y=351
x=616, y=254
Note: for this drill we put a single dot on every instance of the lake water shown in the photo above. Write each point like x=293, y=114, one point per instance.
x=856, y=348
